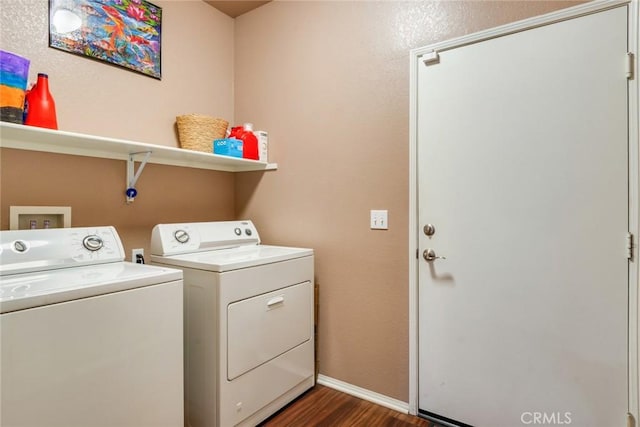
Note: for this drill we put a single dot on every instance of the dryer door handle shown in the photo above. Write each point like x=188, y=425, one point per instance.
x=275, y=301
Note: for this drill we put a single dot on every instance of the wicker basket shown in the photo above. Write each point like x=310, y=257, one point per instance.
x=197, y=131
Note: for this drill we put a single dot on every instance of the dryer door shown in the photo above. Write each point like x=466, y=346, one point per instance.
x=263, y=327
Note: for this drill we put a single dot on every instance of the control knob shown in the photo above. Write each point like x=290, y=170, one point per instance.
x=181, y=236
x=92, y=243
x=20, y=246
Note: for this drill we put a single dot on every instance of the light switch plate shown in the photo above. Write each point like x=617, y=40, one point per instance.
x=379, y=220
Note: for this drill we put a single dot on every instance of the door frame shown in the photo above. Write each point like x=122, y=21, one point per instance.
x=634, y=178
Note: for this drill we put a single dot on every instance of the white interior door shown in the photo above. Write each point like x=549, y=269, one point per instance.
x=523, y=171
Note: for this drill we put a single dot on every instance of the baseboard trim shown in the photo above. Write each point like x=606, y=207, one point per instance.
x=363, y=393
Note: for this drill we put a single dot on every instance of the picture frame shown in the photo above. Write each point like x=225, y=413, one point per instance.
x=125, y=33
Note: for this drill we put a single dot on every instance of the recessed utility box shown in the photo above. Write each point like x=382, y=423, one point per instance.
x=29, y=217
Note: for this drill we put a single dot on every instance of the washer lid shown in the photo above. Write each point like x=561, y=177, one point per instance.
x=234, y=258
x=26, y=290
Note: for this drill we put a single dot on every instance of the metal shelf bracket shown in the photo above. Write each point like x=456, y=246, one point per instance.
x=133, y=175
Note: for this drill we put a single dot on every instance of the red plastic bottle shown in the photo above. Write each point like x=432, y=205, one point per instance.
x=41, y=106
x=236, y=132
x=249, y=141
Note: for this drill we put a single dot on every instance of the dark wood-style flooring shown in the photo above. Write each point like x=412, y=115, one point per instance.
x=325, y=407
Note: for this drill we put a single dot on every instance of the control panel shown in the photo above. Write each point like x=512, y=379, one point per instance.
x=173, y=239
x=44, y=249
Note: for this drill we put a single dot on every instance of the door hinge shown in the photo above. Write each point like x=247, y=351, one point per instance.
x=430, y=58
x=630, y=65
x=631, y=422
x=629, y=246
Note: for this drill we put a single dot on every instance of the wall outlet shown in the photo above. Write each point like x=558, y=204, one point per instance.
x=379, y=220
x=137, y=256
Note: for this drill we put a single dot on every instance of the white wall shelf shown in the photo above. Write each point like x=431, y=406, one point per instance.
x=54, y=141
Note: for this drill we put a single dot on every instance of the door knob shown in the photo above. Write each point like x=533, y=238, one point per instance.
x=430, y=255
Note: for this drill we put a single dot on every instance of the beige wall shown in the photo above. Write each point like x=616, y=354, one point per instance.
x=96, y=98
x=94, y=188
x=330, y=82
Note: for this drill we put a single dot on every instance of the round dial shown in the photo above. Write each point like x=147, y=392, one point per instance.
x=247, y=231
x=20, y=246
x=237, y=231
x=181, y=236
x=93, y=242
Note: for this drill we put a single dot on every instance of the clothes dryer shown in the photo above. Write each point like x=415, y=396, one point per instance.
x=249, y=345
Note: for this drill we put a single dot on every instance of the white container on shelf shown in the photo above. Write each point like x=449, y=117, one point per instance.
x=263, y=145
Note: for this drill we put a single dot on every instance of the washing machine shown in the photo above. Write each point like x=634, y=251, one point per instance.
x=249, y=342
x=87, y=339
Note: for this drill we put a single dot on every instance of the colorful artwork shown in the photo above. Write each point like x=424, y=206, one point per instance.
x=14, y=72
x=122, y=32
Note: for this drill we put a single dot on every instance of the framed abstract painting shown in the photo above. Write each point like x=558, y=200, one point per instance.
x=126, y=33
